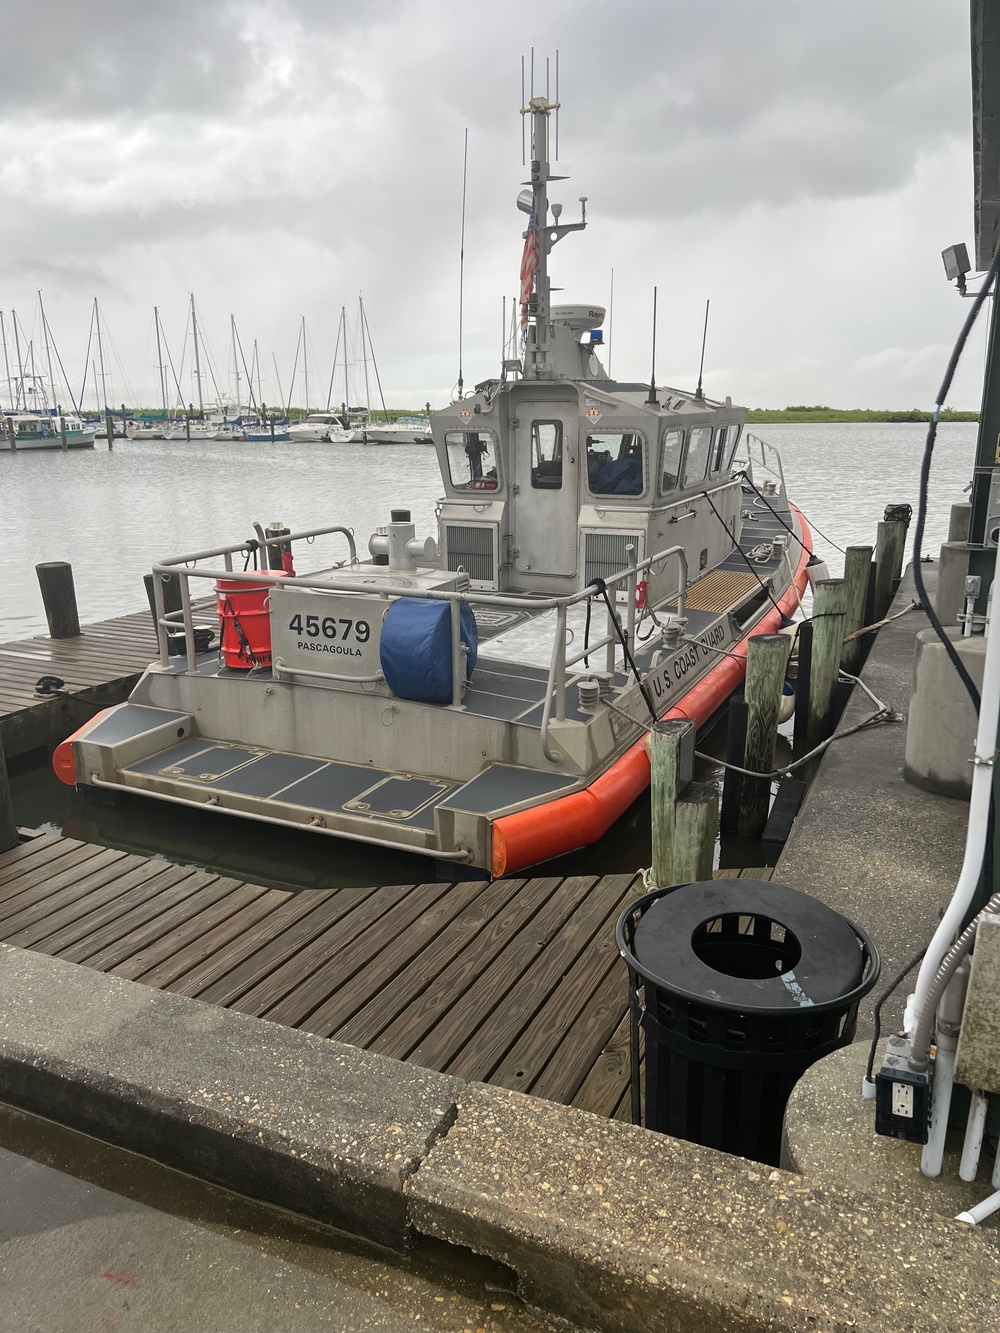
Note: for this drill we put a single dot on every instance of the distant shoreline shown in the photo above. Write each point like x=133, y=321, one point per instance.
x=826, y=414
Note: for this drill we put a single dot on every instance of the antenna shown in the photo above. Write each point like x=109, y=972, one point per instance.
x=461, y=264
x=503, y=339
x=704, y=339
x=652, y=399
x=557, y=104
x=611, y=317
x=524, y=155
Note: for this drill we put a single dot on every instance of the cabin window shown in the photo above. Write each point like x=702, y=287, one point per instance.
x=734, y=438
x=614, y=463
x=546, y=455
x=472, y=460
x=670, y=460
x=696, y=460
x=719, y=449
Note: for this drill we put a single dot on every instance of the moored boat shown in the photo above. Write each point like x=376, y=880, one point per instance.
x=604, y=549
x=35, y=430
x=404, y=430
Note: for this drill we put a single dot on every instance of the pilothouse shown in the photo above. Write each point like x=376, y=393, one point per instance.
x=631, y=533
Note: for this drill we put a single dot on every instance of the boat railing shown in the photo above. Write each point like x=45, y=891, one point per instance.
x=186, y=567
x=756, y=457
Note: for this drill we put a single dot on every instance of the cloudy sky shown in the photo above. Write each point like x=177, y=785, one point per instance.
x=800, y=163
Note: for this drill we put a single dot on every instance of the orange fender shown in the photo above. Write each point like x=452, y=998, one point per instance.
x=529, y=836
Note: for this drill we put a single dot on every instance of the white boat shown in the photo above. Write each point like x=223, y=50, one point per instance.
x=404, y=430
x=482, y=697
x=316, y=427
x=34, y=430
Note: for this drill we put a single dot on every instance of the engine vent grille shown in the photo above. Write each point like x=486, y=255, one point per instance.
x=473, y=546
x=604, y=553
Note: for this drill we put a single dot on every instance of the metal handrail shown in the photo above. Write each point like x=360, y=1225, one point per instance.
x=183, y=567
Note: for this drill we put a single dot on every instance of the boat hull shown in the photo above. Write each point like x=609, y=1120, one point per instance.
x=475, y=784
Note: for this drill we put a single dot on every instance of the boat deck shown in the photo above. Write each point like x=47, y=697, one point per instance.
x=516, y=983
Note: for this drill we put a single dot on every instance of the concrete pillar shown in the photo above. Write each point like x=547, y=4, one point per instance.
x=941, y=725
x=950, y=596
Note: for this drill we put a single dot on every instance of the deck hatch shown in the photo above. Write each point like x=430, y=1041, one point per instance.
x=397, y=798
x=719, y=590
x=473, y=546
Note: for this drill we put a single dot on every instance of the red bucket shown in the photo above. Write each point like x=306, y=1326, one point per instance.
x=245, y=621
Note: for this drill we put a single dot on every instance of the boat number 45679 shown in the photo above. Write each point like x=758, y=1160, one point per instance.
x=312, y=627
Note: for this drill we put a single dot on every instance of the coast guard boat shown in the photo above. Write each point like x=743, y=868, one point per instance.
x=603, y=551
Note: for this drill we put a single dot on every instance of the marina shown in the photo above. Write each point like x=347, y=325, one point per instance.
x=549, y=855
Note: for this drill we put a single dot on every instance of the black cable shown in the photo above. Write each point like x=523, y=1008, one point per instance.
x=746, y=559
x=925, y=472
x=787, y=527
x=586, y=636
x=878, y=1009
x=602, y=588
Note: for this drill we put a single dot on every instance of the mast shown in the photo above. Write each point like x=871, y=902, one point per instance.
x=197, y=363
x=6, y=363
x=236, y=362
x=347, y=387
x=48, y=349
x=100, y=357
x=305, y=361
x=159, y=361
x=540, y=237
x=20, y=362
x=364, y=350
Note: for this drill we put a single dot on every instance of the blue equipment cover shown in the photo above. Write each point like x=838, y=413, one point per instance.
x=415, y=649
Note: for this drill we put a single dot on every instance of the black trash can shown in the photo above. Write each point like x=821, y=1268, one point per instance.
x=738, y=987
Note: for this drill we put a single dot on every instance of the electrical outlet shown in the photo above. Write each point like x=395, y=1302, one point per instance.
x=902, y=1097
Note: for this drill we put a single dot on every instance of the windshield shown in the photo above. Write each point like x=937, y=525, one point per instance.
x=472, y=460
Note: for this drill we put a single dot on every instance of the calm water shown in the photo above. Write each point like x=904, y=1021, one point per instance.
x=112, y=513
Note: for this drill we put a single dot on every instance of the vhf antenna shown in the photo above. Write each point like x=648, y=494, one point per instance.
x=652, y=399
x=704, y=338
x=461, y=265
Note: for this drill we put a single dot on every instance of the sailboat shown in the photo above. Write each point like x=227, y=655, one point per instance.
x=604, y=549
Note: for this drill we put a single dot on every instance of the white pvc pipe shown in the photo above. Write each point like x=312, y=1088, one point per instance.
x=944, y=1081
x=975, y=1129
x=973, y=1216
x=975, y=838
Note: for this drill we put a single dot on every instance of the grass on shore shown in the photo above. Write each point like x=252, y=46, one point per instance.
x=824, y=414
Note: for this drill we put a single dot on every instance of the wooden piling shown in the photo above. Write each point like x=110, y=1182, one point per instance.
x=11, y=433
x=109, y=426
x=767, y=660
x=800, y=727
x=62, y=436
x=8, y=825
x=665, y=782
x=827, y=640
x=696, y=823
x=857, y=571
x=55, y=578
x=889, y=546
x=732, y=781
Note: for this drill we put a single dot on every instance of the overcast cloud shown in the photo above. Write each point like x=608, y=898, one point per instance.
x=800, y=163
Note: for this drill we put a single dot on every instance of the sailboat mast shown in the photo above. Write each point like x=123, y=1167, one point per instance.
x=305, y=361
x=100, y=357
x=48, y=349
x=20, y=362
x=6, y=363
x=347, y=387
x=159, y=361
x=364, y=350
x=236, y=362
x=197, y=362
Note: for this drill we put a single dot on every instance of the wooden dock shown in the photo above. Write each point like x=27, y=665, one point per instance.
x=99, y=667
x=516, y=983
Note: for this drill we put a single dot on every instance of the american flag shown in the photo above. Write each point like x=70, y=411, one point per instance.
x=529, y=262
